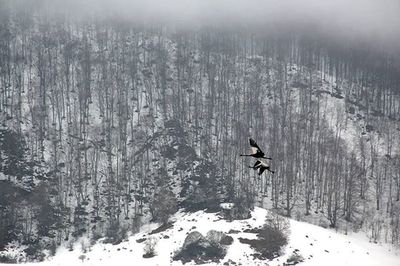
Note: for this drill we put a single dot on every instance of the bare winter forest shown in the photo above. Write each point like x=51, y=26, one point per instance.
x=106, y=121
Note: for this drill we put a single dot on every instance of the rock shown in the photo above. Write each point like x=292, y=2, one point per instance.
x=194, y=237
x=214, y=236
x=226, y=240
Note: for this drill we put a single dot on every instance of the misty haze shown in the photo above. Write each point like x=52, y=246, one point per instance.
x=200, y=132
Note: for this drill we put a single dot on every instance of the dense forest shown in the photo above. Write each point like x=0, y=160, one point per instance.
x=105, y=125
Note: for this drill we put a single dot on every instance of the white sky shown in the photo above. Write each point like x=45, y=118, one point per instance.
x=374, y=20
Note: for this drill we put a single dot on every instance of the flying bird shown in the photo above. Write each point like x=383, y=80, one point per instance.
x=261, y=167
x=256, y=152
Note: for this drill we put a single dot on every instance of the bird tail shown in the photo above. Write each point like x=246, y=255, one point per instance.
x=244, y=155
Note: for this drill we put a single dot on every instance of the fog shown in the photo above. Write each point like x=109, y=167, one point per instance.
x=366, y=20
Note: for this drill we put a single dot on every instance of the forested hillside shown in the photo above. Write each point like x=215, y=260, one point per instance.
x=105, y=124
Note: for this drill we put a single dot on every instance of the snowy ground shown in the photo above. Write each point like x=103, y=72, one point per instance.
x=317, y=245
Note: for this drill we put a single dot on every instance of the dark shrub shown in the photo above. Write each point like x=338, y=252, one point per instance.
x=150, y=248
x=242, y=206
x=163, y=205
x=278, y=222
x=269, y=243
x=200, y=253
x=4, y=259
x=12, y=153
x=115, y=234
x=294, y=259
x=203, y=188
x=7, y=259
x=226, y=240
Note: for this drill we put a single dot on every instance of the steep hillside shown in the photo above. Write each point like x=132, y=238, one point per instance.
x=312, y=244
x=106, y=126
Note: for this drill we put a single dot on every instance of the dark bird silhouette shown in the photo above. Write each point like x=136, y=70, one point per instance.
x=261, y=167
x=256, y=152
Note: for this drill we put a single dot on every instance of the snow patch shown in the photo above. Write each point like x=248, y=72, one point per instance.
x=318, y=246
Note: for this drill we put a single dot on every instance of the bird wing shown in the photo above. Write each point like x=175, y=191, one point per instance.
x=261, y=170
x=253, y=150
x=263, y=162
x=253, y=144
x=257, y=164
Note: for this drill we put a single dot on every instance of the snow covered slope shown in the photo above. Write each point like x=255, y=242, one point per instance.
x=318, y=246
